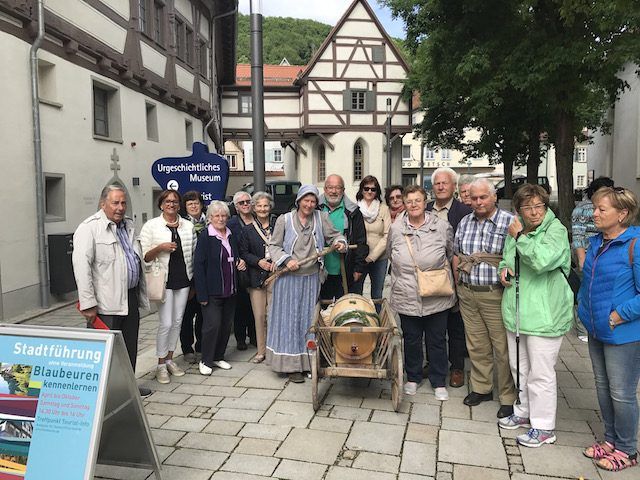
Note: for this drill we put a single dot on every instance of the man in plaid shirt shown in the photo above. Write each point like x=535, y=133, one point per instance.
x=478, y=246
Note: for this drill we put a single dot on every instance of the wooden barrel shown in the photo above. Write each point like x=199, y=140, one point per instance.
x=354, y=347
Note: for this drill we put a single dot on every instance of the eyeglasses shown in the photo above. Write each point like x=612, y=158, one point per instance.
x=171, y=202
x=618, y=189
x=333, y=188
x=417, y=201
x=243, y=202
x=369, y=189
x=530, y=208
x=395, y=197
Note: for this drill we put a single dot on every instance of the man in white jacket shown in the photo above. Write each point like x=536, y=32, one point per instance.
x=107, y=267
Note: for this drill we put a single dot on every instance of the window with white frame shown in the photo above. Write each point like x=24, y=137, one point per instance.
x=429, y=153
x=277, y=155
x=322, y=163
x=406, y=152
x=106, y=112
x=232, y=158
x=244, y=104
x=358, y=100
x=445, y=154
x=358, y=161
x=580, y=154
x=580, y=181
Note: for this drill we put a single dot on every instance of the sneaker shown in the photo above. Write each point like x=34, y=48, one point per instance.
x=536, y=438
x=583, y=338
x=222, y=364
x=514, y=421
x=410, y=388
x=442, y=394
x=174, y=369
x=162, y=375
x=189, y=357
x=204, y=370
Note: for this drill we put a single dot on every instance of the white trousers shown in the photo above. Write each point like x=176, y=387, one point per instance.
x=170, y=319
x=538, y=384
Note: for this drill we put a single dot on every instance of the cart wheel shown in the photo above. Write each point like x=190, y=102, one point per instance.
x=314, y=381
x=397, y=377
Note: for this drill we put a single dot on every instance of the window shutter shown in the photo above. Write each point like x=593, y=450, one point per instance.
x=377, y=54
x=346, y=99
x=370, y=101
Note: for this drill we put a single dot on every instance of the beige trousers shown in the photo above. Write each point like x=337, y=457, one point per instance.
x=260, y=300
x=486, y=340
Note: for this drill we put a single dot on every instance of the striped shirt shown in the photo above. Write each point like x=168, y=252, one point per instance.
x=486, y=236
x=133, y=262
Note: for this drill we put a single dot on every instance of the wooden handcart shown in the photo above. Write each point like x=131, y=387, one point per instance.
x=384, y=362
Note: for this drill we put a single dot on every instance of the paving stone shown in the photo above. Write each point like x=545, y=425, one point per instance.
x=263, y=378
x=164, y=452
x=342, y=400
x=184, y=473
x=574, y=439
x=393, y=418
x=384, y=404
x=444, y=467
x=254, y=464
x=581, y=398
x=223, y=427
x=584, y=380
x=350, y=413
x=343, y=462
x=427, y=414
x=156, y=421
x=209, y=441
x=454, y=408
x=221, y=381
x=238, y=415
x=222, y=391
x=411, y=476
x=257, y=446
x=201, y=459
x=471, y=449
x=192, y=389
x=296, y=392
x=237, y=476
x=312, y=446
x=292, y=414
x=376, y=437
x=293, y=470
x=444, y=476
x=524, y=476
x=349, y=454
x=577, y=364
x=417, y=432
x=265, y=431
x=331, y=424
x=167, y=397
x=486, y=411
x=470, y=426
x=559, y=461
x=186, y=424
x=377, y=462
x=418, y=458
x=567, y=379
x=166, y=437
x=169, y=409
x=203, y=400
x=193, y=377
x=342, y=473
x=578, y=426
x=246, y=403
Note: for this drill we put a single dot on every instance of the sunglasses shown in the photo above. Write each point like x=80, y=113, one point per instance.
x=243, y=202
x=395, y=197
x=369, y=189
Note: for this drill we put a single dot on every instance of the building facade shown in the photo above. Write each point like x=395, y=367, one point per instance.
x=121, y=84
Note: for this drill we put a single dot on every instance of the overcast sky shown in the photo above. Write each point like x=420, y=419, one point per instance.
x=325, y=11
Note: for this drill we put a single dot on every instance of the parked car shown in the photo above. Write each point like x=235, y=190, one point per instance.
x=283, y=192
x=517, y=181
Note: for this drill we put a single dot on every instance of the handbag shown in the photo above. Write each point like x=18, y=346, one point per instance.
x=156, y=280
x=431, y=283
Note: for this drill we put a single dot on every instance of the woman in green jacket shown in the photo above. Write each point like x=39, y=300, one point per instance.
x=539, y=242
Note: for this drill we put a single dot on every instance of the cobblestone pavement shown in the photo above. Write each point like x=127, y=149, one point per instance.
x=249, y=423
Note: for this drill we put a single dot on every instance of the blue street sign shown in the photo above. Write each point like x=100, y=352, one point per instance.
x=206, y=172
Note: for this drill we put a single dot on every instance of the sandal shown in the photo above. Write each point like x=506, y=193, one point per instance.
x=598, y=450
x=616, y=461
x=257, y=359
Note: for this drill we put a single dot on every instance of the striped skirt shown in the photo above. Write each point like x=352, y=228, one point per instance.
x=290, y=316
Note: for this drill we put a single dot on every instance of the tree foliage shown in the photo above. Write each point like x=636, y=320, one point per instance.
x=515, y=69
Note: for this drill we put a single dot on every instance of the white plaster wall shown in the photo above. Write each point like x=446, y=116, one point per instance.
x=184, y=79
x=280, y=105
x=205, y=91
x=279, y=123
x=184, y=8
x=121, y=7
x=68, y=148
x=90, y=20
x=153, y=59
x=204, y=27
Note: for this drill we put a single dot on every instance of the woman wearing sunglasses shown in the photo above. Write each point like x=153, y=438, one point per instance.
x=393, y=199
x=377, y=221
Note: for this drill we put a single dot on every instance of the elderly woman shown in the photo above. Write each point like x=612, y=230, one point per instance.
x=192, y=206
x=377, y=222
x=243, y=322
x=538, y=248
x=393, y=199
x=421, y=240
x=609, y=307
x=169, y=240
x=215, y=272
x=255, y=252
x=297, y=235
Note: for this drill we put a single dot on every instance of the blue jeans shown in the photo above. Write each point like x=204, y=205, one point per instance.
x=377, y=274
x=617, y=369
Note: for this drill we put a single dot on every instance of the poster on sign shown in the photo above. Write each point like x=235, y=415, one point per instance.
x=205, y=172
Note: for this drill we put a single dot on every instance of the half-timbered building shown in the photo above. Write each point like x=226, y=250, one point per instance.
x=121, y=84
x=331, y=118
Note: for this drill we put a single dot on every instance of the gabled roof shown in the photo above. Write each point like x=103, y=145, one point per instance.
x=274, y=75
x=339, y=25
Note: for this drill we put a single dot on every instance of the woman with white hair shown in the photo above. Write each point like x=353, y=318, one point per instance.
x=215, y=270
x=297, y=235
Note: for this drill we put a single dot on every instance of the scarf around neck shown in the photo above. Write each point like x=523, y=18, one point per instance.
x=369, y=212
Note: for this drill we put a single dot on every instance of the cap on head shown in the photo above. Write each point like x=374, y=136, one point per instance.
x=306, y=190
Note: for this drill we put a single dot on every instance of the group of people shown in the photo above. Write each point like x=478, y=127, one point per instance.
x=505, y=301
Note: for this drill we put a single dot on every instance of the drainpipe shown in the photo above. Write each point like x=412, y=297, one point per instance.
x=43, y=270
x=211, y=69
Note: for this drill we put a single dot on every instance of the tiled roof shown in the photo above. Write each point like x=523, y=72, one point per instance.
x=274, y=75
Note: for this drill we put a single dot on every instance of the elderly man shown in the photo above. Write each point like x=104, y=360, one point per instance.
x=107, y=267
x=447, y=208
x=463, y=189
x=477, y=247
x=347, y=219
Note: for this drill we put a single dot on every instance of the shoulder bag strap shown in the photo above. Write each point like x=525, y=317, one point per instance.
x=259, y=230
x=406, y=237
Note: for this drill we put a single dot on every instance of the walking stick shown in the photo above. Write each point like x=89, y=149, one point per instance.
x=517, y=275
x=305, y=261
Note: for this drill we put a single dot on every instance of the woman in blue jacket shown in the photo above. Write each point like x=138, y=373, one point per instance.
x=609, y=308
